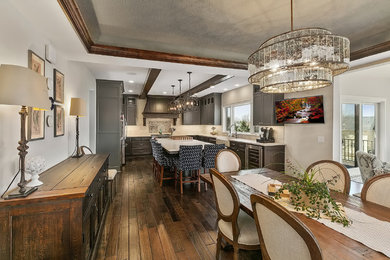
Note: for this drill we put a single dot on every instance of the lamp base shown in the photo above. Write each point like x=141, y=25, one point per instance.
x=17, y=194
x=77, y=156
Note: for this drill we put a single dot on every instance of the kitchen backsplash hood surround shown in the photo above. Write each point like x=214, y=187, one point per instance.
x=157, y=107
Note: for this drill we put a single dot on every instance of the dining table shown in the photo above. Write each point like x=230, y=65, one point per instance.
x=334, y=245
x=172, y=146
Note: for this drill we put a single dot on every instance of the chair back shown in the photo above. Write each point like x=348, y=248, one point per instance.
x=210, y=153
x=85, y=150
x=159, y=154
x=227, y=161
x=377, y=190
x=281, y=234
x=367, y=164
x=190, y=157
x=326, y=170
x=226, y=198
x=152, y=143
x=181, y=137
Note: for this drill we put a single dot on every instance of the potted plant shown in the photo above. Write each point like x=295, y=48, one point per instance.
x=313, y=197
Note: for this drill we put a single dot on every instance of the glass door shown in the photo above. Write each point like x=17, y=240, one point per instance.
x=358, y=131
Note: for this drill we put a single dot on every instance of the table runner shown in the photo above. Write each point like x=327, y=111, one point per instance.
x=365, y=229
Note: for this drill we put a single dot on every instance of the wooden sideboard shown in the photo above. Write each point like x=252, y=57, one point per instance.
x=63, y=219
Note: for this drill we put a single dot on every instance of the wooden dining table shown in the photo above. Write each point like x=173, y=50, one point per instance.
x=172, y=146
x=334, y=245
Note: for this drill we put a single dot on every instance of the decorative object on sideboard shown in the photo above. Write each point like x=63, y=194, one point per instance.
x=36, y=63
x=34, y=166
x=77, y=108
x=22, y=87
x=59, y=121
x=35, y=124
x=266, y=135
x=299, y=60
x=59, y=86
x=213, y=132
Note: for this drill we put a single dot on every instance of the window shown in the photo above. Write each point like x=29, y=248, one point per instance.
x=239, y=116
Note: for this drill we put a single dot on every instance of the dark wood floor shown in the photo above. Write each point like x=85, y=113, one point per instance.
x=148, y=222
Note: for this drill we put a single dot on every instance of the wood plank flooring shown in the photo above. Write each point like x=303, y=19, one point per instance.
x=148, y=222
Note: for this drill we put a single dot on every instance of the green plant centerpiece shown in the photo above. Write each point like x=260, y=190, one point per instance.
x=313, y=197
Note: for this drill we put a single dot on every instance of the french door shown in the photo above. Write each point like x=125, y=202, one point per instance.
x=358, y=130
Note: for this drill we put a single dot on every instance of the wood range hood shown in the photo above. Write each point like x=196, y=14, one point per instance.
x=157, y=107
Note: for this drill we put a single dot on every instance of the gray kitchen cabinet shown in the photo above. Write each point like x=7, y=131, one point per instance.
x=108, y=125
x=130, y=109
x=191, y=118
x=210, y=109
x=138, y=146
x=264, y=107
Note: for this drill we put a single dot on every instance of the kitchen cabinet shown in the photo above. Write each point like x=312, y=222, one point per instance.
x=259, y=156
x=138, y=146
x=210, y=109
x=191, y=118
x=240, y=149
x=130, y=109
x=264, y=107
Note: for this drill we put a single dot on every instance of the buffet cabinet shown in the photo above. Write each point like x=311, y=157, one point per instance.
x=64, y=218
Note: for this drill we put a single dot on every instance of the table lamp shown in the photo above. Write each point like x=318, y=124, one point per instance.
x=23, y=87
x=77, y=108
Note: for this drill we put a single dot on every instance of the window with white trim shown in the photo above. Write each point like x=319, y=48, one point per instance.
x=237, y=118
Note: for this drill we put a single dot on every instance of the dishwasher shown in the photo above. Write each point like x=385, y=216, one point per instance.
x=253, y=156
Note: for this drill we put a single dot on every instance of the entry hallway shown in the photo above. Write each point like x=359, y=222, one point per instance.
x=149, y=222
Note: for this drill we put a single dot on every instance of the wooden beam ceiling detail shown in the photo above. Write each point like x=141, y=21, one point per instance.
x=208, y=83
x=152, y=76
x=375, y=49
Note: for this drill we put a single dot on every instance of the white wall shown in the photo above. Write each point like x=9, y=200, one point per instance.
x=19, y=35
x=369, y=84
x=302, y=146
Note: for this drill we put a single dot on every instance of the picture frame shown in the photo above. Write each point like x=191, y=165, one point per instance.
x=35, y=124
x=59, y=121
x=36, y=63
x=59, y=86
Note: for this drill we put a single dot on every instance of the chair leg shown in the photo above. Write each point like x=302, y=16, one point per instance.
x=205, y=183
x=199, y=180
x=181, y=182
x=161, y=175
x=235, y=247
x=175, y=177
x=218, y=246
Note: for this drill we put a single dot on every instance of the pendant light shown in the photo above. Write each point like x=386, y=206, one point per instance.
x=299, y=60
x=172, y=105
x=190, y=102
x=179, y=102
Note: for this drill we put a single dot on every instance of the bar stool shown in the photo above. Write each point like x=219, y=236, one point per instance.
x=190, y=159
x=210, y=153
x=162, y=162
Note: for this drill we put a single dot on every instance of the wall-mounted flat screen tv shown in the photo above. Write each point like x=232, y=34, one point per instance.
x=300, y=110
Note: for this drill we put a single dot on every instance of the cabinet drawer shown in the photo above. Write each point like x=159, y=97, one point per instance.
x=140, y=151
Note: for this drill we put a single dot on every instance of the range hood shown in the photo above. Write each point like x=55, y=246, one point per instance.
x=157, y=107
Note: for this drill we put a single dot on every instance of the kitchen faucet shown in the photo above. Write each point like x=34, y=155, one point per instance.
x=235, y=130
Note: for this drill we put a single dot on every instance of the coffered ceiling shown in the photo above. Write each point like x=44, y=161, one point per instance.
x=214, y=32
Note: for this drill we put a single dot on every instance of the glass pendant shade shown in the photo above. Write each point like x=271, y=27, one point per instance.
x=179, y=101
x=190, y=102
x=299, y=60
x=172, y=105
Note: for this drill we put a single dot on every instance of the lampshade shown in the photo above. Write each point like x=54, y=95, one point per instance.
x=77, y=107
x=24, y=87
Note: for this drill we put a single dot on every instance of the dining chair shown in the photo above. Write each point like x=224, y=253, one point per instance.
x=181, y=137
x=162, y=162
x=328, y=170
x=227, y=160
x=234, y=225
x=190, y=159
x=281, y=234
x=377, y=190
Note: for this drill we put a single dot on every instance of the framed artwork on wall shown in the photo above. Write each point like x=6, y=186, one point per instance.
x=35, y=124
x=59, y=121
x=58, y=86
x=36, y=63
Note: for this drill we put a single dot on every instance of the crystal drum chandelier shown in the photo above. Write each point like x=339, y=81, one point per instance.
x=299, y=60
x=190, y=102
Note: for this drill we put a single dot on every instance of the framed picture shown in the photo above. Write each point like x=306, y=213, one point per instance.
x=36, y=63
x=35, y=124
x=59, y=121
x=58, y=86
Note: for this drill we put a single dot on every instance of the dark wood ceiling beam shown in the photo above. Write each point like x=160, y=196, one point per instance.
x=152, y=76
x=375, y=49
x=208, y=83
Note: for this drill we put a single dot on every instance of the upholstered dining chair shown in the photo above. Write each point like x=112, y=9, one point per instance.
x=326, y=170
x=234, y=225
x=227, y=161
x=377, y=190
x=281, y=234
x=162, y=162
x=210, y=152
x=190, y=159
x=370, y=165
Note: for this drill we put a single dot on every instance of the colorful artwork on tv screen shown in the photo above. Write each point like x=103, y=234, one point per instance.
x=300, y=110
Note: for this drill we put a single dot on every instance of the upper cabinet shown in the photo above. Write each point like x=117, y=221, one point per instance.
x=191, y=118
x=264, y=107
x=130, y=109
x=210, y=109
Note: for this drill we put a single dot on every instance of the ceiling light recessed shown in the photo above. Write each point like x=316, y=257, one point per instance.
x=212, y=87
x=130, y=90
x=131, y=81
x=237, y=85
x=164, y=92
x=225, y=89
